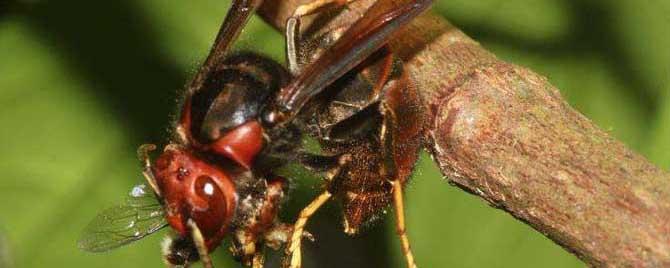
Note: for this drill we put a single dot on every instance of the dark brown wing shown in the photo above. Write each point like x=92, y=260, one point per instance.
x=237, y=17
x=239, y=13
x=364, y=37
x=140, y=215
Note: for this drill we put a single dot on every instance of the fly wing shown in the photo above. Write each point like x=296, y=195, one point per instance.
x=140, y=215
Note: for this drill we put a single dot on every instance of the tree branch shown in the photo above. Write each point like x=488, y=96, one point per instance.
x=502, y=132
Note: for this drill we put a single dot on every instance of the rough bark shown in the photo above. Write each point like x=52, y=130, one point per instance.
x=504, y=133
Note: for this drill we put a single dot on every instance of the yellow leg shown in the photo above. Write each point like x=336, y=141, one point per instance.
x=258, y=260
x=318, y=5
x=199, y=242
x=143, y=155
x=293, y=250
x=400, y=224
x=293, y=27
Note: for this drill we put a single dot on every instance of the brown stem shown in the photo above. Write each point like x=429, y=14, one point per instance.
x=504, y=133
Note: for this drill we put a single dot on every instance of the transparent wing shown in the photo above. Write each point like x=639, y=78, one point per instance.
x=140, y=215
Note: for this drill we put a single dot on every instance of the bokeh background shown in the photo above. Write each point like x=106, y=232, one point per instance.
x=83, y=83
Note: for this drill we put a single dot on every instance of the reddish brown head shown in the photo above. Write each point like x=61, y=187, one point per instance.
x=194, y=189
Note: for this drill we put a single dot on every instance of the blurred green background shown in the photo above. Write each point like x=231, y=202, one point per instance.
x=83, y=83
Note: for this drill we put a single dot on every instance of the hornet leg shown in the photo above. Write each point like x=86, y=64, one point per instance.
x=199, y=242
x=293, y=28
x=398, y=203
x=293, y=249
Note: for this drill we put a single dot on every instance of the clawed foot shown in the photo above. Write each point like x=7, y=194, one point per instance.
x=293, y=251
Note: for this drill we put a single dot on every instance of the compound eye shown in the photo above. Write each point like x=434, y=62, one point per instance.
x=207, y=189
x=213, y=211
